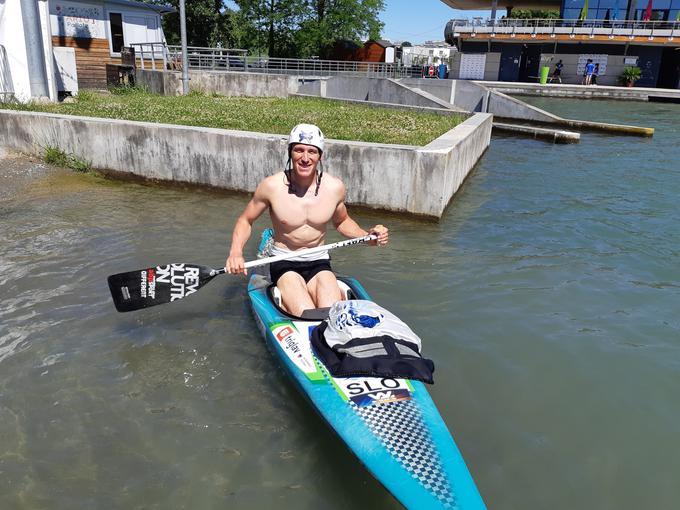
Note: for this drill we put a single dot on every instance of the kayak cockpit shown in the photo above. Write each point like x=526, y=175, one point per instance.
x=312, y=314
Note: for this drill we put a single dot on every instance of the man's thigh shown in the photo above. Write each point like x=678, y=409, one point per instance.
x=323, y=287
x=294, y=292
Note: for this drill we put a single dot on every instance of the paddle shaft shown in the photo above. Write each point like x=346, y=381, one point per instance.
x=163, y=284
x=306, y=251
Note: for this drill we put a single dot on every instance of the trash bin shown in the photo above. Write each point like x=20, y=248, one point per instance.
x=442, y=71
x=544, y=75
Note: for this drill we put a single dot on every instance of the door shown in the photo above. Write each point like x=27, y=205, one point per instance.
x=509, y=67
x=529, y=62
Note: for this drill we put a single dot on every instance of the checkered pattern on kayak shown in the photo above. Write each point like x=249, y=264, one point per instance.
x=400, y=427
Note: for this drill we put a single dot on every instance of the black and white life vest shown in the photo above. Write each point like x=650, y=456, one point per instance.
x=361, y=338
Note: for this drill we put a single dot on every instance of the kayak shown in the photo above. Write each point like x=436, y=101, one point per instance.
x=391, y=425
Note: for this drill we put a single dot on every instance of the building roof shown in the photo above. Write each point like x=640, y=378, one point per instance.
x=382, y=42
x=160, y=9
x=485, y=5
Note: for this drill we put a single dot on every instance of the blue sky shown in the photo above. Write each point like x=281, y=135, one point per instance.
x=417, y=21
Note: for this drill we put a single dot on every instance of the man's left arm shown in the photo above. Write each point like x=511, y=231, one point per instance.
x=350, y=228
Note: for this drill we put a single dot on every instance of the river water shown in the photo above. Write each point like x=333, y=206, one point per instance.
x=548, y=297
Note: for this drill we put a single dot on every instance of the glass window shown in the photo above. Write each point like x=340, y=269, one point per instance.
x=117, y=41
x=573, y=4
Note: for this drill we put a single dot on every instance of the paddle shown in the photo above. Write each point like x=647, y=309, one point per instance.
x=153, y=286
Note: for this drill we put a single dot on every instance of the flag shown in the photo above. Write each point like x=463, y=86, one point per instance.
x=648, y=11
x=606, y=16
x=615, y=14
x=584, y=11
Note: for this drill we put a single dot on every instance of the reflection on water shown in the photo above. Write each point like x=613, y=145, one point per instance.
x=546, y=296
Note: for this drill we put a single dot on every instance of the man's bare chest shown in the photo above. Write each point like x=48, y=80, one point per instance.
x=293, y=212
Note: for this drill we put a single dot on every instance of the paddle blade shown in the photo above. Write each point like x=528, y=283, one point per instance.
x=157, y=285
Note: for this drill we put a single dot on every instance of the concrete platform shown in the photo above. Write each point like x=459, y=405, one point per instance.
x=584, y=91
x=552, y=135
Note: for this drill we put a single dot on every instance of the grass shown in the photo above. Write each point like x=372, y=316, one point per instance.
x=55, y=156
x=337, y=119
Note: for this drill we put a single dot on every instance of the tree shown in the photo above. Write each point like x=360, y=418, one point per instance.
x=406, y=44
x=534, y=14
x=328, y=21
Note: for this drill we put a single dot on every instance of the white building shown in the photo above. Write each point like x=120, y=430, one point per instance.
x=51, y=46
x=428, y=53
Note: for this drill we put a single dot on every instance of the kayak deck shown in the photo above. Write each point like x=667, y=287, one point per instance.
x=391, y=425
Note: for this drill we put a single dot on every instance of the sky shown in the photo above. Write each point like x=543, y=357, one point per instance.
x=418, y=21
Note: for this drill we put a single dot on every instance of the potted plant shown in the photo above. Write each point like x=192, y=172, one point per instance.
x=630, y=75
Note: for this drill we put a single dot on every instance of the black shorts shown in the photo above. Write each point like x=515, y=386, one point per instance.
x=305, y=269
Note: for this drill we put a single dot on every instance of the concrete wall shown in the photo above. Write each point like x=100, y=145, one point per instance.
x=419, y=180
x=381, y=90
x=12, y=38
x=493, y=66
x=510, y=108
x=463, y=94
x=220, y=82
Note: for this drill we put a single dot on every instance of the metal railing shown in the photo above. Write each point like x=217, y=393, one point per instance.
x=226, y=59
x=6, y=84
x=631, y=28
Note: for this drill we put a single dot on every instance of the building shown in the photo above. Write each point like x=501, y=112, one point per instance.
x=376, y=50
x=612, y=33
x=49, y=47
x=428, y=53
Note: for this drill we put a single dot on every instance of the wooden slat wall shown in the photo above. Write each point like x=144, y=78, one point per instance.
x=92, y=55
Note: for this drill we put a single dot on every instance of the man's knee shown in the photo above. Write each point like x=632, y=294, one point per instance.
x=324, y=289
x=294, y=292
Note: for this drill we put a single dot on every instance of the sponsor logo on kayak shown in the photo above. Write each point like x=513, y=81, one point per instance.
x=283, y=333
x=183, y=279
x=366, y=391
x=299, y=353
x=148, y=287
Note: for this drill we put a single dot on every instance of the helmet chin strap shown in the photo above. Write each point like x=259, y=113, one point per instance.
x=288, y=172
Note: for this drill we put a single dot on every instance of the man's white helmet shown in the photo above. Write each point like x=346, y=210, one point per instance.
x=308, y=134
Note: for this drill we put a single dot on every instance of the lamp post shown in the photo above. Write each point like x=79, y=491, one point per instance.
x=185, y=57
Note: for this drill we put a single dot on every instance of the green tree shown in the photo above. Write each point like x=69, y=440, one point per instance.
x=406, y=44
x=275, y=23
x=534, y=13
x=327, y=21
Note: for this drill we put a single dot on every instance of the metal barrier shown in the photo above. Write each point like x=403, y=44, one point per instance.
x=6, y=84
x=571, y=27
x=227, y=59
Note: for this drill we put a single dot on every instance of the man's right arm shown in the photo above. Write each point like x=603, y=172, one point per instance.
x=243, y=228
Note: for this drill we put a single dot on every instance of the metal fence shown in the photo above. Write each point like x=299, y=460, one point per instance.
x=6, y=84
x=226, y=59
x=566, y=26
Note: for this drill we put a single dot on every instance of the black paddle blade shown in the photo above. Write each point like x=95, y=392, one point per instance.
x=157, y=285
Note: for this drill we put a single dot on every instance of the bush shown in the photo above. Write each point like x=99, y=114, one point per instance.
x=630, y=75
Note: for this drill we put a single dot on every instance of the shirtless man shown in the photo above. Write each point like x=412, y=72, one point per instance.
x=301, y=201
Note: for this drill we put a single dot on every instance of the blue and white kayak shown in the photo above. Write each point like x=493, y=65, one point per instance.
x=391, y=425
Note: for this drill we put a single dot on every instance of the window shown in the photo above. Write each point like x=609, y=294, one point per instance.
x=117, y=41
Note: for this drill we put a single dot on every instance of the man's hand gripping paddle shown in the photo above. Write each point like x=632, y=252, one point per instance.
x=162, y=284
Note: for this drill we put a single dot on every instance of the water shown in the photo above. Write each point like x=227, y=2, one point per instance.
x=547, y=297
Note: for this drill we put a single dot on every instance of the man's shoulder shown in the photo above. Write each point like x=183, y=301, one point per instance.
x=333, y=183
x=269, y=182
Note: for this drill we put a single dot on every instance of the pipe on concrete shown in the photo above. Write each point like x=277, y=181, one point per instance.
x=35, y=53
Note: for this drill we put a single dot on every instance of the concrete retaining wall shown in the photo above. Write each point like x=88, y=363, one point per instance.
x=510, y=108
x=223, y=83
x=419, y=180
x=381, y=90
